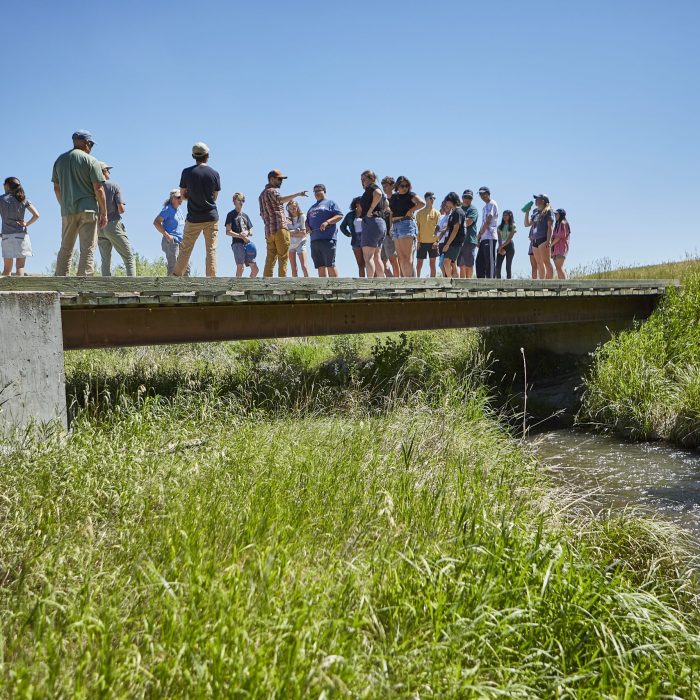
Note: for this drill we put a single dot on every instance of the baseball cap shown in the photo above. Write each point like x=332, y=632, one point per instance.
x=200, y=149
x=83, y=135
x=104, y=166
x=541, y=196
x=484, y=190
x=468, y=193
x=276, y=173
x=175, y=192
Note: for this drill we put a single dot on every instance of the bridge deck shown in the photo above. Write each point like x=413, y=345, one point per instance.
x=104, y=312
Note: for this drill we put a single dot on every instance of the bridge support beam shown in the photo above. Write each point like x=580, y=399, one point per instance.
x=32, y=382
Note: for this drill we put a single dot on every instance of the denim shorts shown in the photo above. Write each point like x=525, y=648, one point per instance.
x=373, y=231
x=244, y=253
x=404, y=229
x=426, y=250
x=323, y=253
x=467, y=255
x=297, y=244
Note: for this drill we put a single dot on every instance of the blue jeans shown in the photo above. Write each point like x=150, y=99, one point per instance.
x=404, y=229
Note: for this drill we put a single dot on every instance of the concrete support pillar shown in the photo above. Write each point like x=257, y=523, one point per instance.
x=32, y=381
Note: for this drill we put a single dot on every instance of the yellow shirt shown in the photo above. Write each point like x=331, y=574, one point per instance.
x=427, y=221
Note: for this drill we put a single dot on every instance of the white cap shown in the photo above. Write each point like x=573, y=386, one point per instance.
x=175, y=192
x=200, y=149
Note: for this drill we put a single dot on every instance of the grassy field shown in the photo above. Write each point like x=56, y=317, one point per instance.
x=605, y=269
x=645, y=383
x=325, y=518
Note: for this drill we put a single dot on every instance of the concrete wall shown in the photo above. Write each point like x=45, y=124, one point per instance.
x=32, y=382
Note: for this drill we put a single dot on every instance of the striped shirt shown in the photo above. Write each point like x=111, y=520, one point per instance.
x=272, y=210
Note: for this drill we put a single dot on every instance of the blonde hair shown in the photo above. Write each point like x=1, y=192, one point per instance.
x=289, y=206
x=239, y=196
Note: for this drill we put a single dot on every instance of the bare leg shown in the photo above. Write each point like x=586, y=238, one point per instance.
x=293, y=263
x=323, y=272
x=254, y=270
x=433, y=271
x=239, y=270
x=368, y=254
x=533, y=267
x=419, y=266
x=559, y=263
x=333, y=271
x=19, y=266
x=360, y=259
x=378, y=264
x=404, y=248
x=7, y=267
x=304, y=266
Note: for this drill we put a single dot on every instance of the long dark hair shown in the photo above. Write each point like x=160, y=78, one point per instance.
x=16, y=189
x=511, y=225
x=354, y=203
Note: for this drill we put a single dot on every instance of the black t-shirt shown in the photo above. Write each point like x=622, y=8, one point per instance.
x=457, y=216
x=401, y=203
x=201, y=182
x=366, y=200
x=238, y=222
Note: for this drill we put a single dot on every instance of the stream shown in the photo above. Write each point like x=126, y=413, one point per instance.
x=658, y=477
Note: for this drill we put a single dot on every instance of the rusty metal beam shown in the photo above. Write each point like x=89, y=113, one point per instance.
x=99, y=327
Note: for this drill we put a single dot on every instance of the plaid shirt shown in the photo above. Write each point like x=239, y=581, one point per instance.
x=272, y=210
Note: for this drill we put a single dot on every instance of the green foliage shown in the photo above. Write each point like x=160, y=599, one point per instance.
x=183, y=549
x=315, y=374
x=145, y=267
x=645, y=383
x=604, y=269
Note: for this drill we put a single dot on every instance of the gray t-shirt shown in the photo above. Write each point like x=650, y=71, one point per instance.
x=114, y=199
x=12, y=211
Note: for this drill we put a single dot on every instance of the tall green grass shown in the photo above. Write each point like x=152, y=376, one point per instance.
x=182, y=548
x=645, y=383
x=606, y=269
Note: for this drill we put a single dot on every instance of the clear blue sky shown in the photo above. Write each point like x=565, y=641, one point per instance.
x=595, y=103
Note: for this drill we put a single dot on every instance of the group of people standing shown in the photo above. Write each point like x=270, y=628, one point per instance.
x=392, y=230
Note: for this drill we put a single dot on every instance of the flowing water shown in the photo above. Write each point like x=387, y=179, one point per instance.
x=656, y=476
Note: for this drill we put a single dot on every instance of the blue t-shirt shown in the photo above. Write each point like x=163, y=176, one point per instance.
x=173, y=221
x=317, y=214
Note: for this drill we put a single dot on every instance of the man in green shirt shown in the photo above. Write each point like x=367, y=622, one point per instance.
x=78, y=184
x=465, y=261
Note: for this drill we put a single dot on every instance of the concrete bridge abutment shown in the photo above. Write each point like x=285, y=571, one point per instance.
x=32, y=381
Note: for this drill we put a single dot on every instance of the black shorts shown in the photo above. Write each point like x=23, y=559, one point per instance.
x=426, y=250
x=323, y=253
x=538, y=242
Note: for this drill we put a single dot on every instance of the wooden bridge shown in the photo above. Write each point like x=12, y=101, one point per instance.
x=119, y=311
x=40, y=317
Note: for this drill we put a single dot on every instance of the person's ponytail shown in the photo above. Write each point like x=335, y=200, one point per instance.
x=16, y=189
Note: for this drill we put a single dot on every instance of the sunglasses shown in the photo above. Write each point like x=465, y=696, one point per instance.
x=177, y=196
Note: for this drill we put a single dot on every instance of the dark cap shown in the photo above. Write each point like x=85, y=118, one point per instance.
x=83, y=135
x=430, y=194
x=541, y=196
x=276, y=173
x=484, y=190
x=467, y=193
x=320, y=187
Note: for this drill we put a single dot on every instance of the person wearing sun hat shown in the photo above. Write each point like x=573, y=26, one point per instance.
x=200, y=186
x=78, y=183
x=114, y=235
